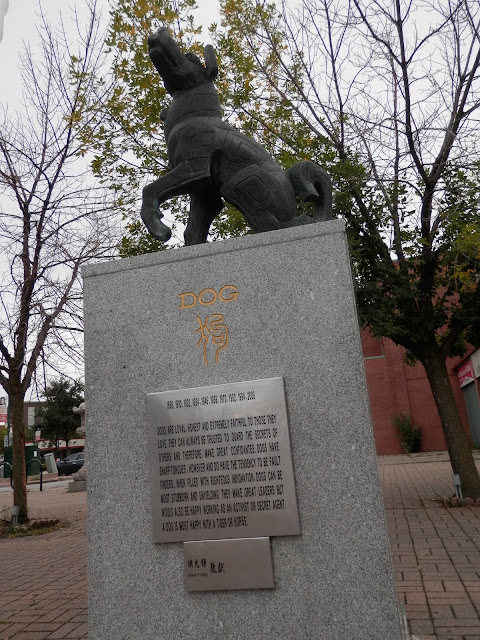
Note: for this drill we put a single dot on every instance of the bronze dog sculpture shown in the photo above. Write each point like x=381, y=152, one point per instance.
x=211, y=160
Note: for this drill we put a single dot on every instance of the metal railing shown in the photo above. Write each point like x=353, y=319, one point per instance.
x=2, y=464
x=41, y=470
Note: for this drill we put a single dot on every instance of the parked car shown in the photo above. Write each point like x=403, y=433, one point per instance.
x=71, y=464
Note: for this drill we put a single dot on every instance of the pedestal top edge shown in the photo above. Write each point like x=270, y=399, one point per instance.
x=215, y=248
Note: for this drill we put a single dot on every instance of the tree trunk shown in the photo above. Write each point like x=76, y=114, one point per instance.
x=18, y=455
x=460, y=452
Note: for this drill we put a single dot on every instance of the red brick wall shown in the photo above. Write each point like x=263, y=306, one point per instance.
x=394, y=387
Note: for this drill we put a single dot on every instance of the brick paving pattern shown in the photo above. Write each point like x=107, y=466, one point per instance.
x=43, y=579
x=435, y=550
x=436, y=556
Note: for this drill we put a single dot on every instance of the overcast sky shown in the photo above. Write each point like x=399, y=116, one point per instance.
x=19, y=21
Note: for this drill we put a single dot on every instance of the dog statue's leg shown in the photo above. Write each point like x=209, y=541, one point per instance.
x=266, y=200
x=205, y=205
x=152, y=218
x=176, y=182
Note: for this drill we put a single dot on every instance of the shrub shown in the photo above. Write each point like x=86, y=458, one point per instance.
x=410, y=434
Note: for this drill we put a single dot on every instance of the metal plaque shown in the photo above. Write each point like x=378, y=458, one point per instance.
x=221, y=565
x=220, y=462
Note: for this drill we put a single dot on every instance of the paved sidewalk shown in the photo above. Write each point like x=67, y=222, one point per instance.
x=43, y=579
x=435, y=550
x=436, y=554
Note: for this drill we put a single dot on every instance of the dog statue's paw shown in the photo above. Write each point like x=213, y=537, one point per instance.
x=154, y=224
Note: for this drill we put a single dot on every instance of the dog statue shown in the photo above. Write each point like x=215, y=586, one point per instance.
x=212, y=161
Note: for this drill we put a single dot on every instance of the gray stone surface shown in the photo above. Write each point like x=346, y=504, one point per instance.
x=77, y=485
x=294, y=317
x=81, y=411
x=80, y=477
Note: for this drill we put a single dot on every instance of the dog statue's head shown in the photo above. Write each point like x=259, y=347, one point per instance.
x=180, y=71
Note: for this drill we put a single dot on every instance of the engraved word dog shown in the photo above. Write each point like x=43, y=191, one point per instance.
x=211, y=160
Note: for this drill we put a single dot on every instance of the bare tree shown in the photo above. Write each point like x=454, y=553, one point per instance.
x=53, y=218
x=392, y=92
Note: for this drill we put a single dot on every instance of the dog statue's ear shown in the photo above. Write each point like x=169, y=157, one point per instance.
x=210, y=62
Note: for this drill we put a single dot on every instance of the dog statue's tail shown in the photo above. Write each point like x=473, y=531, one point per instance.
x=312, y=184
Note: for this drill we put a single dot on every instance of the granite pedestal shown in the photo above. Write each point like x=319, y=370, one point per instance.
x=283, y=304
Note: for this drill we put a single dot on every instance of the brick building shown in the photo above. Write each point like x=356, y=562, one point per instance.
x=395, y=388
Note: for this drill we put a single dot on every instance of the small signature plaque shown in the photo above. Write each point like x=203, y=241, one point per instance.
x=221, y=565
x=220, y=462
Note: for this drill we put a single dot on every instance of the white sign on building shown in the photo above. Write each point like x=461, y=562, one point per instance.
x=3, y=409
x=475, y=358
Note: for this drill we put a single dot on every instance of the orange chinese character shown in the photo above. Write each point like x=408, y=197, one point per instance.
x=212, y=327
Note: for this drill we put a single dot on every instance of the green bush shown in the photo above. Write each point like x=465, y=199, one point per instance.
x=410, y=434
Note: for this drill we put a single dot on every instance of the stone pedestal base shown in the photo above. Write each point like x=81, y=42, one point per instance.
x=79, y=481
x=277, y=304
x=80, y=485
